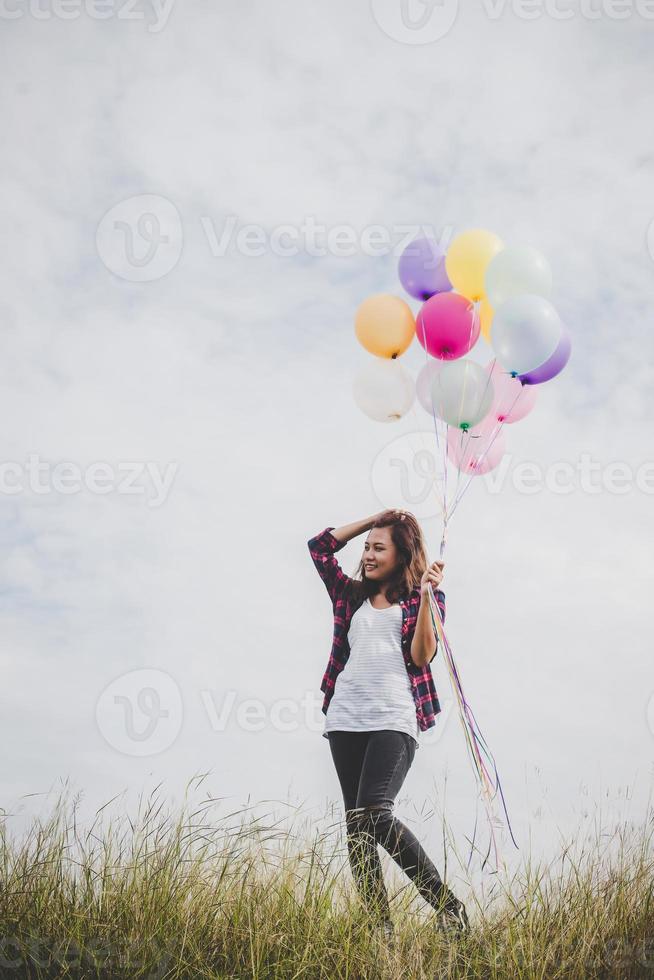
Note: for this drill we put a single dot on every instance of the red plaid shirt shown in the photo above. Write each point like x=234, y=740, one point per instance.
x=338, y=584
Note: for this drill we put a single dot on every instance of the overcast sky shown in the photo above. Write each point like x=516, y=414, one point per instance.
x=196, y=199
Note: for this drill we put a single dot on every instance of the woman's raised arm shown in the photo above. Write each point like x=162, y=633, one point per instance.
x=322, y=548
x=348, y=531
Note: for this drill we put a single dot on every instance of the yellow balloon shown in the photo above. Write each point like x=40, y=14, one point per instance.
x=384, y=325
x=486, y=314
x=467, y=258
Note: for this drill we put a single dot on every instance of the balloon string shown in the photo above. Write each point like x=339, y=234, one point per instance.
x=473, y=737
x=473, y=320
x=458, y=469
x=445, y=503
x=483, y=455
x=466, y=434
x=465, y=376
x=479, y=742
x=475, y=466
x=443, y=506
x=424, y=446
x=480, y=460
x=475, y=741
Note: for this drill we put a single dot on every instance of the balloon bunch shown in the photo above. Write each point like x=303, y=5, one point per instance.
x=477, y=288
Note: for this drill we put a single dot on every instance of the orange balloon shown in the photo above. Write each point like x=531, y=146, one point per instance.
x=385, y=325
x=486, y=314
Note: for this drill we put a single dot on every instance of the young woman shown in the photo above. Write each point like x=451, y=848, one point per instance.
x=379, y=695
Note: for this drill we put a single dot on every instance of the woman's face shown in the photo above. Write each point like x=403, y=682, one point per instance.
x=379, y=554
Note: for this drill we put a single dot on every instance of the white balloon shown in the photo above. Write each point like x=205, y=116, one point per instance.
x=526, y=331
x=383, y=389
x=517, y=269
x=462, y=393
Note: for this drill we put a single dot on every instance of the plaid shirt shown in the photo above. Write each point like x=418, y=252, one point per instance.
x=338, y=584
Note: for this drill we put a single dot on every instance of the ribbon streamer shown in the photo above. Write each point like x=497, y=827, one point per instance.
x=475, y=741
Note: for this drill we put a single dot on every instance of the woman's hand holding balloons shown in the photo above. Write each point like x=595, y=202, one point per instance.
x=433, y=575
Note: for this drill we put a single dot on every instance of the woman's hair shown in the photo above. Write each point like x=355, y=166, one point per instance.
x=407, y=537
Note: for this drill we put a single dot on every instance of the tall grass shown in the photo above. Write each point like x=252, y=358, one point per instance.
x=194, y=895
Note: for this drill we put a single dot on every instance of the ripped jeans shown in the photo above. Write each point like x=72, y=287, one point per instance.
x=371, y=768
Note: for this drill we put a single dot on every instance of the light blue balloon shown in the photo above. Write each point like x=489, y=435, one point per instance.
x=526, y=331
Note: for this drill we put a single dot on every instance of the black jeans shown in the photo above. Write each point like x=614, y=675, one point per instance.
x=371, y=768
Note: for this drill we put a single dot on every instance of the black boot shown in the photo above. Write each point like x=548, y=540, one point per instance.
x=453, y=919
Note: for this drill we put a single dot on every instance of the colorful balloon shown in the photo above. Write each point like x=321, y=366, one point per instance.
x=553, y=365
x=384, y=325
x=422, y=269
x=462, y=393
x=479, y=450
x=447, y=326
x=467, y=260
x=517, y=269
x=513, y=398
x=424, y=381
x=383, y=389
x=526, y=332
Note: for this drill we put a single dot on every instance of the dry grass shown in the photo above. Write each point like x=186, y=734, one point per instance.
x=188, y=896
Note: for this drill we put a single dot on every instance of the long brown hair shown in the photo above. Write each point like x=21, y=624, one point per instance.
x=406, y=535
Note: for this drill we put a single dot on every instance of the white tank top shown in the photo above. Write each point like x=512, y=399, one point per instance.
x=373, y=690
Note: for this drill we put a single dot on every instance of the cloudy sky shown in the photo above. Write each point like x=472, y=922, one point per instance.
x=196, y=199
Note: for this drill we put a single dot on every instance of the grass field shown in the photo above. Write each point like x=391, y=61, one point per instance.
x=188, y=895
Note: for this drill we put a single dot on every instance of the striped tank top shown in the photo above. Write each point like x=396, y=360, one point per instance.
x=373, y=691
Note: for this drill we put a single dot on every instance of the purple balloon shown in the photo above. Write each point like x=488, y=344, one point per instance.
x=422, y=269
x=553, y=365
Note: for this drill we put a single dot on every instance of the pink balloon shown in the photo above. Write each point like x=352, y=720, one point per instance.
x=448, y=326
x=513, y=399
x=478, y=450
x=426, y=375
